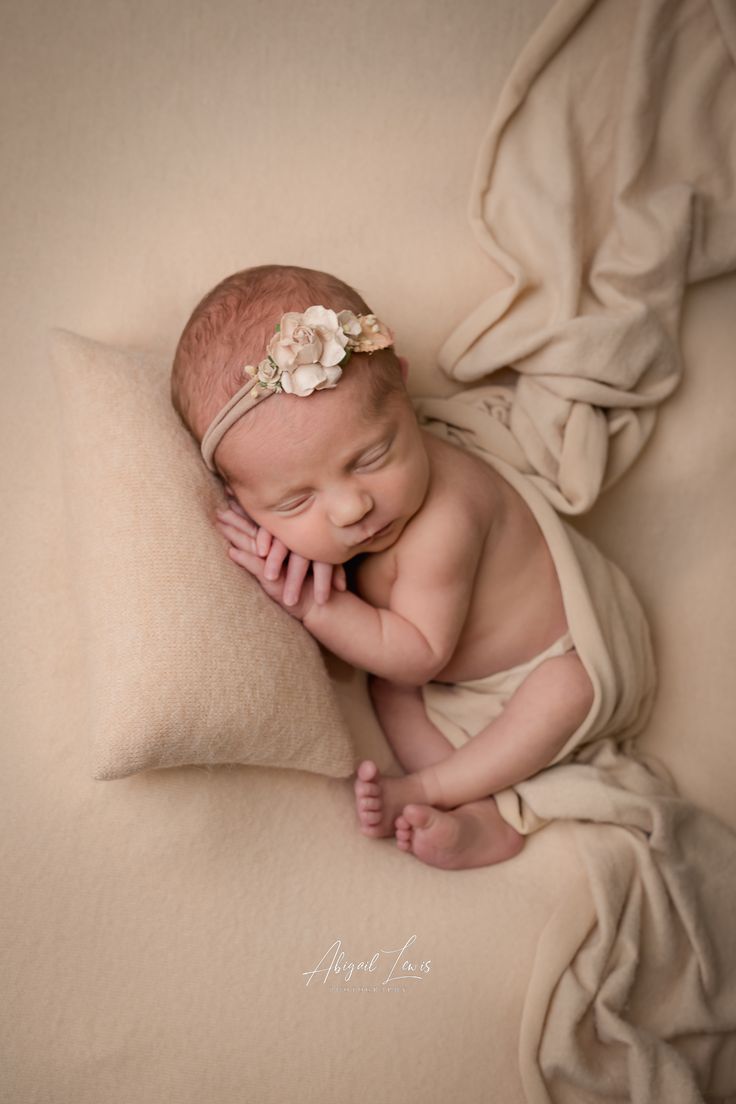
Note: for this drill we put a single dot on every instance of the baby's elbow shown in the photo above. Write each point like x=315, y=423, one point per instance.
x=420, y=661
x=434, y=666
x=417, y=672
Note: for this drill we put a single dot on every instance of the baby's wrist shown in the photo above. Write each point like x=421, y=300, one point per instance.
x=318, y=614
x=311, y=610
x=304, y=603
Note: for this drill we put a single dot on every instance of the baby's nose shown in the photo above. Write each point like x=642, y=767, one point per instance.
x=350, y=507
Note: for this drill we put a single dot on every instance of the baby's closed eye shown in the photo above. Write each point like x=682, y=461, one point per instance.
x=289, y=507
x=369, y=461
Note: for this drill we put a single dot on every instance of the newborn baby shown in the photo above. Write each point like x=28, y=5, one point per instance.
x=452, y=579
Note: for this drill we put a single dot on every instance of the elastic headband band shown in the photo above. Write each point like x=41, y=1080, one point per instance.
x=242, y=401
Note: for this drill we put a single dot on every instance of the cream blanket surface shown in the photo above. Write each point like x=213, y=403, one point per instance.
x=604, y=186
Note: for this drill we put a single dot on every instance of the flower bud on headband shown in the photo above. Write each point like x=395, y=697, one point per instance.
x=306, y=353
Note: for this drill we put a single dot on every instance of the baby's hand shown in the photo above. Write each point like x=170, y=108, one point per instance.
x=246, y=536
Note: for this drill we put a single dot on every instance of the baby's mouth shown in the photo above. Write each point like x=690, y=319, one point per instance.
x=376, y=534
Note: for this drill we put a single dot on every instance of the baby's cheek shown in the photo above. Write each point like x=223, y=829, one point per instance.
x=397, y=486
x=309, y=539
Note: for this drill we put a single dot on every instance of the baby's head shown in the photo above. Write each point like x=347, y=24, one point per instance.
x=321, y=471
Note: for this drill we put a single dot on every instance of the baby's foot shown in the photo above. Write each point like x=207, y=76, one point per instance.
x=379, y=799
x=471, y=835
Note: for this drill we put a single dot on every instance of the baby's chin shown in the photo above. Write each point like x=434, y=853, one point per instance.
x=333, y=556
x=340, y=554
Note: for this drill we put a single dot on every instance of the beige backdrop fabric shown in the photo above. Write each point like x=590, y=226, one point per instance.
x=156, y=928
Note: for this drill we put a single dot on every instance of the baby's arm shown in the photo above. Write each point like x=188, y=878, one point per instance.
x=414, y=638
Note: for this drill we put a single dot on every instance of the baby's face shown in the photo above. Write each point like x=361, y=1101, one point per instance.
x=329, y=483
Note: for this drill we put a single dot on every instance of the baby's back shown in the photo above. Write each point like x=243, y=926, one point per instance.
x=515, y=609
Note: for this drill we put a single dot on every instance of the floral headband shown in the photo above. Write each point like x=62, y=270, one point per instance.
x=306, y=353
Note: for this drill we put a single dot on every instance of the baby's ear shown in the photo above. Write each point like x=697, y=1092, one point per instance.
x=404, y=365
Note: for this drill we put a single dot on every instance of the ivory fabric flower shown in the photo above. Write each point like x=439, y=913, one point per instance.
x=314, y=337
x=268, y=373
x=306, y=378
x=350, y=324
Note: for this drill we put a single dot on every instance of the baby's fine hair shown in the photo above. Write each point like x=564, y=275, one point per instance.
x=232, y=324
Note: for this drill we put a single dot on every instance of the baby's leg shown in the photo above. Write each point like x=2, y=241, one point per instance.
x=472, y=835
x=538, y=719
x=414, y=739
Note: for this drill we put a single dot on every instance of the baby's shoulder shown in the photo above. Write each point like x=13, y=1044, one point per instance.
x=463, y=488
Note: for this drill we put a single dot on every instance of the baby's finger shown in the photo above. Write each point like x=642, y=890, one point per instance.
x=339, y=578
x=237, y=537
x=295, y=574
x=263, y=541
x=238, y=521
x=249, y=560
x=235, y=505
x=275, y=558
x=322, y=573
x=254, y=564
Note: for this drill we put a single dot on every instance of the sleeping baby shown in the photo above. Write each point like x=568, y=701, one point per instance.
x=451, y=581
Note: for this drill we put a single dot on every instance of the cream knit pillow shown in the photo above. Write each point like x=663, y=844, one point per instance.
x=187, y=660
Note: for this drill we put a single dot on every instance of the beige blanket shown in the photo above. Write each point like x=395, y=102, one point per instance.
x=604, y=186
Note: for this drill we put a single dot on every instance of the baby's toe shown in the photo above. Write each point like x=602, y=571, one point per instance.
x=403, y=839
x=367, y=789
x=368, y=771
